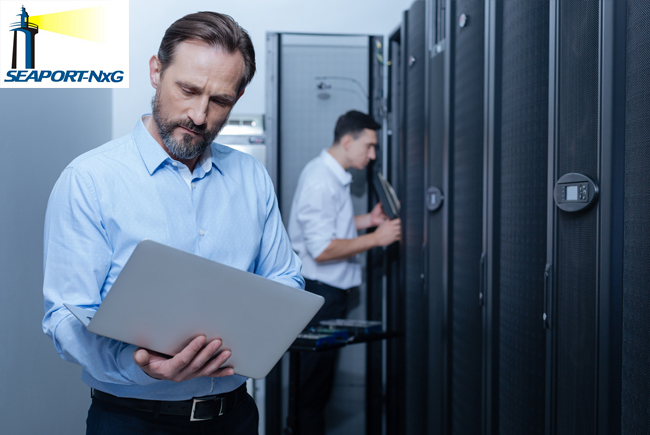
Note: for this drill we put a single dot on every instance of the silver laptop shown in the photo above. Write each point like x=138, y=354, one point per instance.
x=164, y=297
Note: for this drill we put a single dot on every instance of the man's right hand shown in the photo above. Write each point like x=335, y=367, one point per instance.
x=196, y=360
x=388, y=232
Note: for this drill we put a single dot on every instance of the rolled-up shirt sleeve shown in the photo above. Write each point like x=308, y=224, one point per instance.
x=77, y=261
x=317, y=217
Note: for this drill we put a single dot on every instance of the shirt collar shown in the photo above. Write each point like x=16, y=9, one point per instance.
x=205, y=161
x=343, y=176
x=154, y=155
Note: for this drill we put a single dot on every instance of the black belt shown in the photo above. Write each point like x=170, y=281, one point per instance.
x=197, y=409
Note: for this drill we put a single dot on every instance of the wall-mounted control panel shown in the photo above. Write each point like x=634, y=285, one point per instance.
x=575, y=192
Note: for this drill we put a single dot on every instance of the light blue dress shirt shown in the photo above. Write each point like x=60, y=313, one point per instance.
x=109, y=199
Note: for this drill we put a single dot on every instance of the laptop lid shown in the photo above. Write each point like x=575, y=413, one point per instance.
x=164, y=297
x=387, y=196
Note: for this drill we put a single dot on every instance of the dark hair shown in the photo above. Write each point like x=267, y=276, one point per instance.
x=353, y=123
x=218, y=30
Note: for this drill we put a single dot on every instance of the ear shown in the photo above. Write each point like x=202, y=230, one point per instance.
x=154, y=71
x=241, y=93
x=346, y=141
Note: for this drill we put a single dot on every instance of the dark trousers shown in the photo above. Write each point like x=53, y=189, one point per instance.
x=108, y=419
x=317, y=368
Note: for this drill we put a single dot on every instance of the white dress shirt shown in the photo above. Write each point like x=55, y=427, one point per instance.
x=322, y=211
x=205, y=162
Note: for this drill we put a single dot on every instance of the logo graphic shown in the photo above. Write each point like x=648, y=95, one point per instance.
x=30, y=30
x=81, y=44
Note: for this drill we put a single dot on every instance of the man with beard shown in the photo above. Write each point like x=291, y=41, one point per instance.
x=166, y=181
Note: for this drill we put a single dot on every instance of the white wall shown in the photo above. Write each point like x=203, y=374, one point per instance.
x=41, y=131
x=149, y=19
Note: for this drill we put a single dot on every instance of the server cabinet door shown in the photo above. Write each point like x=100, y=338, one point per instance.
x=379, y=258
x=466, y=161
x=395, y=311
x=435, y=243
x=574, y=144
x=412, y=192
x=436, y=217
x=599, y=341
x=518, y=168
x=635, y=412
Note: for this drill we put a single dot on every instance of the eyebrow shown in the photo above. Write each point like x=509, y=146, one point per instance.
x=225, y=97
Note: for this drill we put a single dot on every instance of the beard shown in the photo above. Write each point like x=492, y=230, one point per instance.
x=189, y=146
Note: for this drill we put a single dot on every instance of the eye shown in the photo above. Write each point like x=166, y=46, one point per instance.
x=187, y=91
x=219, y=102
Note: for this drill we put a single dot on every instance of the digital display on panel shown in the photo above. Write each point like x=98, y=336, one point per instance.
x=572, y=193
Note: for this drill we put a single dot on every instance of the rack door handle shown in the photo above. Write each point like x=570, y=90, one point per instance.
x=482, y=280
x=546, y=316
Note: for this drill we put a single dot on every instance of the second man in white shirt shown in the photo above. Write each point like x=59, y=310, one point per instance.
x=323, y=232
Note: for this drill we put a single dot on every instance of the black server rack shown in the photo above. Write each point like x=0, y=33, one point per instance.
x=520, y=313
x=436, y=216
x=587, y=140
x=575, y=137
x=411, y=194
x=466, y=217
x=514, y=212
x=533, y=93
x=395, y=300
x=635, y=414
x=376, y=259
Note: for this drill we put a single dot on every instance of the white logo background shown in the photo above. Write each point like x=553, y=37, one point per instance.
x=56, y=51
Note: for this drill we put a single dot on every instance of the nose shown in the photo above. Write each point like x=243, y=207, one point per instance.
x=199, y=110
x=373, y=153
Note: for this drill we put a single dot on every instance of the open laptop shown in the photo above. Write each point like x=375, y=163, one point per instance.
x=387, y=196
x=164, y=297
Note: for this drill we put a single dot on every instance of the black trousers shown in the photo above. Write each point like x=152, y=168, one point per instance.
x=108, y=419
x=317, y=369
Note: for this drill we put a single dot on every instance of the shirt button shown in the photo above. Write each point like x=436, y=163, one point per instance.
x=193, y=185
x=175, y=163
x=202, y=232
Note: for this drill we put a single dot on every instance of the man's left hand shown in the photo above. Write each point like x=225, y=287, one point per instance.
x=195, y=360
x=377, y=216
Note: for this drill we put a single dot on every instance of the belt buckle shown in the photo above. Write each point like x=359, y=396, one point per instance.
x=195, y=401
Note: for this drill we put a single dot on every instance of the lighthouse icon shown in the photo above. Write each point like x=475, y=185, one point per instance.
x=29, y=30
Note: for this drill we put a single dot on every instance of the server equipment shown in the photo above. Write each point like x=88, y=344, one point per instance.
x=535, y=254
x=411, y=194
x=514, y=215
x=630, y=247
x=518, y=141
x=392, y=168
x=312, y=79
x=464, y=293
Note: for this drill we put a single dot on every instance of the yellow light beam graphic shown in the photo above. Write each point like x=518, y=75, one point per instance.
x=87, y=23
